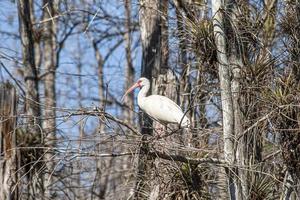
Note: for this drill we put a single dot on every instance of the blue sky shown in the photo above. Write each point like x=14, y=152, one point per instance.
x=79, y=46
x=67, y=83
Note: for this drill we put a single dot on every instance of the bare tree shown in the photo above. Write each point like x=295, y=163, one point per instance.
x=232, y=60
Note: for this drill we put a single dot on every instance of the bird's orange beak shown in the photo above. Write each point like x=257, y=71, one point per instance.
x=130, y=90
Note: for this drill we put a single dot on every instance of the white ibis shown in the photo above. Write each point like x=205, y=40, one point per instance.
x=161, y=108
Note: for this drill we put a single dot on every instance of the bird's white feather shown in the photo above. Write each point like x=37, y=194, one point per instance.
x=159, y=107
x=163, y=109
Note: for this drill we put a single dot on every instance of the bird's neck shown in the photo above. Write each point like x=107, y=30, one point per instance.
x=143, y=92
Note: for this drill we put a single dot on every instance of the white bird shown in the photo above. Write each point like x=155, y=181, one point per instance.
x=161, y=108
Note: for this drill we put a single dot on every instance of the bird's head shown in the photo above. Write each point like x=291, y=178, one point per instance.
x=139, y=84
x=142, y=82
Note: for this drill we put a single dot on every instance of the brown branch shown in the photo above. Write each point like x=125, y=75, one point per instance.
x=157, y=154
x=185, y=159
x=271, y=155
x=99, y=112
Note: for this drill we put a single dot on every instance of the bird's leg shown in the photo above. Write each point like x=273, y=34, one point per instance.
x=159, y=129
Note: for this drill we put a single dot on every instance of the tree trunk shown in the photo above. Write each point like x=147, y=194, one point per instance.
x=183, y=61
x=50, y=64
x=269, y=27
x=100, y=66
x=32, y=108
x=235, y=64
x=164, y=12
x=150, y=28
x=226, y=94
x=30, y=71
x=9, y=189
x=129, y=69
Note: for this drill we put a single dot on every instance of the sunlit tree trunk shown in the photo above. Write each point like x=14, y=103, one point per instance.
x=50, y=64
x=226, y=94
x=236, y=65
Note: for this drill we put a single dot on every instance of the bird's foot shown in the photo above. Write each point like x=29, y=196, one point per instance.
x=160, y=131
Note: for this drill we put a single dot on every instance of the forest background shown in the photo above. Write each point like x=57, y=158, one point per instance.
x=233, y=65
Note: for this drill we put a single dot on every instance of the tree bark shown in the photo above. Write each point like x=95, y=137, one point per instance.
x=50, y=64
x=183, y=60
x=226, y=94
x=129, y=69
x=150, y=28
x=30, y=71
x=164, y=10
x=32, y=108
x=269, y=27
x=9, y=189
x=100, y=66
x=236, y=64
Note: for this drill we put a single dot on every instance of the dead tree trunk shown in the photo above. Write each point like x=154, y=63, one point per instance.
x=50, y=64
x=32, y=101
x=8, y=151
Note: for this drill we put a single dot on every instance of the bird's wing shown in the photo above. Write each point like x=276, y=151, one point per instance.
x=162, y=109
